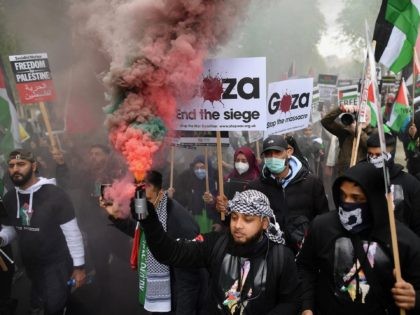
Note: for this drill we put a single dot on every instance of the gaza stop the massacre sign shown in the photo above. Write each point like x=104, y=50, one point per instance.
x=232, y=97
x=289, y=105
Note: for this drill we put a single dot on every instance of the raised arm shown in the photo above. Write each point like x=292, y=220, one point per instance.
x=177, y=253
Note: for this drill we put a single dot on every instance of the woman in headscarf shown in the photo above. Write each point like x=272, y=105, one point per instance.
x=245, y=170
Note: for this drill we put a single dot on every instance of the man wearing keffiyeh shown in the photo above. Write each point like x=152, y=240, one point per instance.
x=246, y=209
x=251, y=271
x=162, y=290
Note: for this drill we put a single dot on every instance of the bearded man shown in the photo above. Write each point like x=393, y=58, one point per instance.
x=251, y=271
x=42, y=216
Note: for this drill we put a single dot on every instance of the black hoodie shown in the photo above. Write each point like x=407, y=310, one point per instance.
x=272, y=284
x=191, y=189
x=408, y=210
x=328, y=255
x=296, y=204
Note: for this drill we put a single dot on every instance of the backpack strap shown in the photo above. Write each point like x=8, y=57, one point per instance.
x=377, y=287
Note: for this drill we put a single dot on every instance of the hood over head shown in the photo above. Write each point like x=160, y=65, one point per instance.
x=199, y=158
x=371, y=181
x=211, y=171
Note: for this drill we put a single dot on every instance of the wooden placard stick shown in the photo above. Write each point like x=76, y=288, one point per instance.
x=171, y=175
x=220, y=169
x=46, y=118
x=206, y=165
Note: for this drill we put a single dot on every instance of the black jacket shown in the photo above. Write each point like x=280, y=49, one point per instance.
x=300, y=201
x=190, y=189
x=413, y=156
x=408, y=210
x=272, y=276
x=185, y=283
x=328, y=255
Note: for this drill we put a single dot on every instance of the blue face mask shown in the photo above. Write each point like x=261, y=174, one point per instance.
x=275, y=165
x=200, y=173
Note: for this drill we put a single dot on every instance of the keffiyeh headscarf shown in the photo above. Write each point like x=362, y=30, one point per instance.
x=253, y=202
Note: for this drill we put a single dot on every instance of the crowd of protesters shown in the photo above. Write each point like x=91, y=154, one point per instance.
x=304, y=232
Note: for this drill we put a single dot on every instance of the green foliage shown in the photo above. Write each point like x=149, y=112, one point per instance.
x=283, y=31
x=352, y=20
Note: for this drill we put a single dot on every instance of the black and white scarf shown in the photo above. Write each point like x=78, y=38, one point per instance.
x=158, y=288
x=253, y=202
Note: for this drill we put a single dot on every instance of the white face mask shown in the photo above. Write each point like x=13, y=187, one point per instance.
x=350, y=219
x=378, y=161
x=354, y=216
x=241, y=167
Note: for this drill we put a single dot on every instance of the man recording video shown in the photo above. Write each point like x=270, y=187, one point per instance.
x=345, y=130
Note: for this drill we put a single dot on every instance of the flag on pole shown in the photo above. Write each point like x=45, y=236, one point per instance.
x=9, y=124
x=371, y=102
x=416, y=69
x=416, y=63
x=347, y=92
x=409, y=76
x=400, y=113
x=396, y=33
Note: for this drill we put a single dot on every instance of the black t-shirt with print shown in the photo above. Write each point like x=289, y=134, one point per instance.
x=41, y=239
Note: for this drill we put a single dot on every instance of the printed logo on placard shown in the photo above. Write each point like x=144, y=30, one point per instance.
x=287, y=102
x=216, y=88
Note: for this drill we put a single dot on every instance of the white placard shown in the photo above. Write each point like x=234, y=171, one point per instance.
x=289, y=105
x=232, y=97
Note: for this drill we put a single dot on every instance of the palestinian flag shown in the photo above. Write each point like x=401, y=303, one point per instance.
x=372, y=105
x=347, y=94
x=396, y=33
x=407, y=74
x=9, y=124
x=400, y=114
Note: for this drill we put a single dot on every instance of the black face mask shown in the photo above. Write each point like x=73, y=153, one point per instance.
x=354, y=217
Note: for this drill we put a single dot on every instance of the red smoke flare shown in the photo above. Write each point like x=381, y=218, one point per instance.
x=121, y=193
x=157, y=50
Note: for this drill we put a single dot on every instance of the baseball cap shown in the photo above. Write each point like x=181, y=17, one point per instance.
x=274, y=142
x=21, y=154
